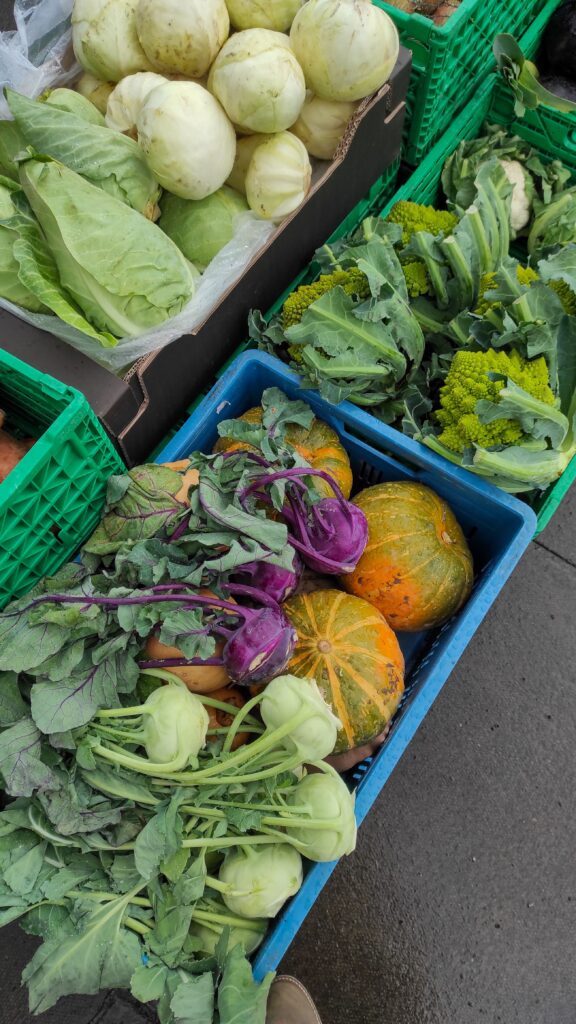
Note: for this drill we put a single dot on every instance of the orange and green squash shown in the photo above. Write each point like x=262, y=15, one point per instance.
x=417, y=568
x=318, y=444
x=351, y=652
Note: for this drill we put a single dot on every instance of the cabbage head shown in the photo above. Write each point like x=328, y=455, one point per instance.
x=108, y=159
x=105, y=38
x=122, y=271
x=11, y=287
x=200, y=228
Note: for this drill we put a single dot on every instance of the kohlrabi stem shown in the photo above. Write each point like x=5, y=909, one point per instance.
x=136, y=926
x=145, y=598
x=179, y=662
x=225, y=780
x=226, y=841
x=135, y=737
x=259, y=746
x=206, y=917
x=258, y=730
x=106, y=897
x=122, y=712
x=134, y=762
x=240, y=717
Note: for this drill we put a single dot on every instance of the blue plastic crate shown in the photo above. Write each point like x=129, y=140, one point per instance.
x=497, y=526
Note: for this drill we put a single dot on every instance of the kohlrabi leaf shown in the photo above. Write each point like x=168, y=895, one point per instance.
x=193, y=1001
x=12, y=707
x=21, y=766
x=102, y=954
x=149, y=979
x=71, y=704
x=140, y=505
x=241, y=1000
x=160, y=839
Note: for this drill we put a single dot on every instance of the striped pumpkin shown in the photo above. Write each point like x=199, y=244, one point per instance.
x=318, y=444
x=417, y=568
x=351, y=652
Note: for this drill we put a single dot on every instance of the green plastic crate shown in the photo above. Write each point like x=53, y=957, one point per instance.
x=449, y=62
x=53, y=498
x=547, y=131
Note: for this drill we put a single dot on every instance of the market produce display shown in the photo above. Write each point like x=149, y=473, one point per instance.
x=178, y=130
x=159, y=819
x=457, y=324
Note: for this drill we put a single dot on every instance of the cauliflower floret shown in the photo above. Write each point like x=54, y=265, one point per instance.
x=522, y=195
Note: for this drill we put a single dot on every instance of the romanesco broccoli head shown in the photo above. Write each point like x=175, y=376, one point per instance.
x=526, y=276
x=353, y=281
x=415, y=217
x=488, y=283
x=566, y=296
x=468, y=382
x=417, y=280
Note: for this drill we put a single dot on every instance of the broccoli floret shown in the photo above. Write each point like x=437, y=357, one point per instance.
x=417, y=280
x=353, y=281
x=416, y=217
x=526, y=276
x=468, y=382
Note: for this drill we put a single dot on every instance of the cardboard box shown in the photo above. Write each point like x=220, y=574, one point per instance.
x=138, y=409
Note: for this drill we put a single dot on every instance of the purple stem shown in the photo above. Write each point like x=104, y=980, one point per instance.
x=251, y=592
x=180, y=529
x=180, y=662
x=119, y=602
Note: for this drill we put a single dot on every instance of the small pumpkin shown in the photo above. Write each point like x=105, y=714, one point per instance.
x=417, y=568
x=318, y=444
x=351, y=652
x=221, y=719
x=198, y=678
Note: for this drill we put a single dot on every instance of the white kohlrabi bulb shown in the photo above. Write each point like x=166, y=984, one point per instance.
x=189, y=142
x=258, y=81
x=278, y=177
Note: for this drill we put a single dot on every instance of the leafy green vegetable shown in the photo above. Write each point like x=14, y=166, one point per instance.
x=12, y=144
x=522, y=77
x=102, y=954
x=108, y=159
x=11, y=286
x=101, y=248
x=201, y=228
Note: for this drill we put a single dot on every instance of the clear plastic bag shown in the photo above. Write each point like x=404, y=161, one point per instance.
x=39, y=56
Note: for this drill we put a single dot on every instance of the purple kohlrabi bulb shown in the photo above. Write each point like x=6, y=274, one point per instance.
x=273, y=580
x=261, y=648
x=333, y=536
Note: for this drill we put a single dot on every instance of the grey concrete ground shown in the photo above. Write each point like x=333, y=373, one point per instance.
x=459, y=905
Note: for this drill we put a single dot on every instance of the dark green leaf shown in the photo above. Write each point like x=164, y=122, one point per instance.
x=240, y=999
x=193, y=1001
x=20, y=765
x=12, y=707
x=103, y=954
